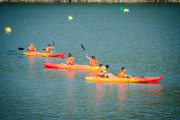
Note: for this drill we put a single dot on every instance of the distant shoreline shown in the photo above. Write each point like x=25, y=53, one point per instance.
x=89, y=1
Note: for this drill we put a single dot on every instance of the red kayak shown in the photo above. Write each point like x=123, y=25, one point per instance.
x=75, y=67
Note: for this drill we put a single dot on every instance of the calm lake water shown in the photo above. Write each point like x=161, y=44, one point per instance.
x=146, y=41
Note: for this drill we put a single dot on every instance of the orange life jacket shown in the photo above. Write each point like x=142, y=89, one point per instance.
x=70, y=61
x=48, y=49
x=121, y=74
x=93, y=62
x=30, y=50
x=98, y=74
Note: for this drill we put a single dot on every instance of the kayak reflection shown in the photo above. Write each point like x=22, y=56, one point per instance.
x=136, y=94
x=69, y=74
x=31, y=60
x=31, y=65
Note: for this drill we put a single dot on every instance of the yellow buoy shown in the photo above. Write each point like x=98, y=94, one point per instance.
x=8, y=29
x=126, y=10
x=70, y=17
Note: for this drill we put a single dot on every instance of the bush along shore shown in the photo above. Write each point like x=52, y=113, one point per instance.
x=90, y=1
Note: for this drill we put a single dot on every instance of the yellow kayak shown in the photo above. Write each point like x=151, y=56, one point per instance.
x=126, y=80
x=45, y=54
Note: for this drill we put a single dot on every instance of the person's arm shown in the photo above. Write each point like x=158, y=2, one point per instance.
x=99, y=72
x=69, y=61
x=88, y=57
x=122, y=74
x=105, y=72
x=32, y=48
x=65, y=60
x=36, y=49
x=127, y=75
x=29, y=48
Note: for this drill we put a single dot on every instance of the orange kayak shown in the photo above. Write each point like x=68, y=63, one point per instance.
x=76, y=67
x=45, y=54
x=126, y=80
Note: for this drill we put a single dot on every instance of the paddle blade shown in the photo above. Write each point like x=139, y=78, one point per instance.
x=82, y=47
x=20, y=48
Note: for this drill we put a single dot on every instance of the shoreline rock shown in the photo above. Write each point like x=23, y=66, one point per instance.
x=89, y=1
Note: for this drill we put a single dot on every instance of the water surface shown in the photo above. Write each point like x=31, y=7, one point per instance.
x=145, y=40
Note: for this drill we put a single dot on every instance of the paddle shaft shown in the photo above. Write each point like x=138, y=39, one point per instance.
x=85, y=51
x=53, y=46
x=83, y=48
x=27, y=49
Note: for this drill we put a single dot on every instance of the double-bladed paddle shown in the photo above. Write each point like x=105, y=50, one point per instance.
x=83, y=48
x=21, y=48
x=26, y=48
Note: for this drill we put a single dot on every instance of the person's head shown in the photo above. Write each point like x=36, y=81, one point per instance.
x=49, y=45
x=69, y=55
x=123, y=69
x=107, y=66
x=93, y=57
x=100, y=66
x=31, y=44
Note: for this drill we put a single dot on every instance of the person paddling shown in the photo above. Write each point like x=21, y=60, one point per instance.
x=48, y=49
x=93, y=62
x=108, y=75
x=100, y=73
x=70, y=60
x=32, y=48
x=122, y=73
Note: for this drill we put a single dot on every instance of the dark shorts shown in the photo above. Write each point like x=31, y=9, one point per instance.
x=104, y=76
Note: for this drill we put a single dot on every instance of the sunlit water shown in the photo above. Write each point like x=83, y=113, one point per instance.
x=145, y=40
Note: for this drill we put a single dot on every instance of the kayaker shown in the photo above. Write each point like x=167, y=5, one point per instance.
x=122, y=73
x=100, y=73
x=32, y=48
x=93, y=62
x=48, y=49
x=70, y=59
x=104, y=74
x=108, y=75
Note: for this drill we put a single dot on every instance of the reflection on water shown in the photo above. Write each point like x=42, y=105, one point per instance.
x=31, y=61
x=57, y=60
x=31, y=65
x=120, y=98
x=70, y=95
x=70, y=74
x=98, y=95
x=121, y=95
x=130, y=96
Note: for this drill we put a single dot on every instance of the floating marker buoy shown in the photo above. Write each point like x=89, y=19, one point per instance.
x=70, y=17
x=121, y=9
x=8, y=29
x=126, y=10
